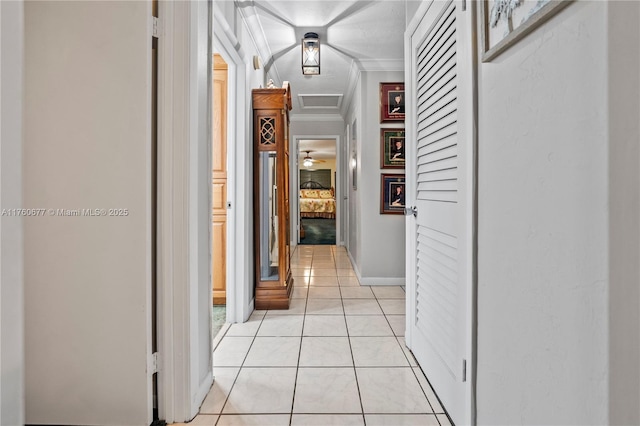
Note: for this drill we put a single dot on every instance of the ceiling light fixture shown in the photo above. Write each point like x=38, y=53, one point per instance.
x=311, y=54
x=308, y=161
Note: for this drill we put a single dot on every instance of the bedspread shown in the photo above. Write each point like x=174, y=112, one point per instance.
x=317, y=203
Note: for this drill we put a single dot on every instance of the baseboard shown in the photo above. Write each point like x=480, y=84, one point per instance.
x=373, y=281
x=354, y=265
x=251, y=308
x=400, y=281
x=203, y=391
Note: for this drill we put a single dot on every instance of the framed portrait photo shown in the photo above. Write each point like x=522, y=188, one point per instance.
x=392, y=148
x=391, y=102
x=392, y=194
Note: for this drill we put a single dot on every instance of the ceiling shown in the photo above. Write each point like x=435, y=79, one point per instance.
x=355, y=35
x=319, y=149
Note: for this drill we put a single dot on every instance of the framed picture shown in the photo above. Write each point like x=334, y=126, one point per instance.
x=392, y=194
x=391, y=102
x=392, y=148
x=504, y=22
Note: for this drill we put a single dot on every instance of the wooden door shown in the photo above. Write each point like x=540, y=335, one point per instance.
x=219, y=182
x=440, y=184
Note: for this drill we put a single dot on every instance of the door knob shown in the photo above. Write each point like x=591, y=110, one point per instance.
x=413, y=210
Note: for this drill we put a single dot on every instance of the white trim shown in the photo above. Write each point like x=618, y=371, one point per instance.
x=12, y=341
x=354, y=265
x=224, y=33
x=302, y=96
x=295, y=185
x=180, y=378
x=353, y=78
x=381, y=65
x=315, y=117
x=239, y=254
x=375, y=281
x=258, y=37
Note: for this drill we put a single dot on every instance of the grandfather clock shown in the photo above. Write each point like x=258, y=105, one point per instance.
x=274, y=283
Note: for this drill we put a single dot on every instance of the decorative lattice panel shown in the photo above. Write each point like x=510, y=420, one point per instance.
x=267, y=131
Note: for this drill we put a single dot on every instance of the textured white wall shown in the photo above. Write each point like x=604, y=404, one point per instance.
x=624, y=199
x=11, y=227
x=87, y=279
x=382, y=259
x=543, y=226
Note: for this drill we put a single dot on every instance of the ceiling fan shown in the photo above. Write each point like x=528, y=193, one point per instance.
x=308, y=161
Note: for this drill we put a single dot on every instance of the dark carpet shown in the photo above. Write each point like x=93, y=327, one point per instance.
x=319, y=231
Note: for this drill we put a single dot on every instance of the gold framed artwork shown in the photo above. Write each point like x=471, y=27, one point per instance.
x=505, y=22
x=392, y=149
x=391, y=102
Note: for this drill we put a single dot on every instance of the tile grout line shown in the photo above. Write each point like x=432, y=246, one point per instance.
x=304, y=319
x=355, y=372
x=407, y=358
x=240, y=369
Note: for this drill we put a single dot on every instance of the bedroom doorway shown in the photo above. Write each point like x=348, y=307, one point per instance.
x=317, y=178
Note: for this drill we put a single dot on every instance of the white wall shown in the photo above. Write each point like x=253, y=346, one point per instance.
x=543, y=225
x=382, y=258
x=11, y=227
x=87, y=279
x=355, y=122
x=624, y=193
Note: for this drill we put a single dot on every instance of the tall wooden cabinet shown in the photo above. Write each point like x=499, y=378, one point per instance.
x=274, y=284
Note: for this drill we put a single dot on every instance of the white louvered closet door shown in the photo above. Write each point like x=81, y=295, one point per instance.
x=439, y=182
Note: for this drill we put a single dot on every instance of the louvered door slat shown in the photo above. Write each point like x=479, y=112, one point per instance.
x=443, y=27
x=438, y=108
x=445, y=164
x=437, y=181
x=433, y=75
x=437, y=175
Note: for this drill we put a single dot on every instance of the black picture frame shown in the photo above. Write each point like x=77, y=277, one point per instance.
x=392, y=193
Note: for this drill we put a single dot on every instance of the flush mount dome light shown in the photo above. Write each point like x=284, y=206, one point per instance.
x=311, y=54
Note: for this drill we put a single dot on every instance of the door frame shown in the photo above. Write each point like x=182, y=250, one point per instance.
x=239, y=176
x=184, y=193
x=471, y=212
x=295, y=186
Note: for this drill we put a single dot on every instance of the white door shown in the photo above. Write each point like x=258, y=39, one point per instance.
x=439, y=182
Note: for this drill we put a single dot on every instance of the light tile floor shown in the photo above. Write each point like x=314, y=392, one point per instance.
x=336, y=357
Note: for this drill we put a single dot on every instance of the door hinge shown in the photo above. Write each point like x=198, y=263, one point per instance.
x=464, y=370
x=153, y=363
x=464, y=5
x=155, y=30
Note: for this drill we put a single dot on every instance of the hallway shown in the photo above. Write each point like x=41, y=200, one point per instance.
x=336, y=357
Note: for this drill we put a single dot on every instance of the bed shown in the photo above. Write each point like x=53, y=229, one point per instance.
x=317, y=201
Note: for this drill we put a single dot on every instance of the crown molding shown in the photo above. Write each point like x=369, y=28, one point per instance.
x=382, y=64
x=352, y=79
x=259, y=38
x=316, y=117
